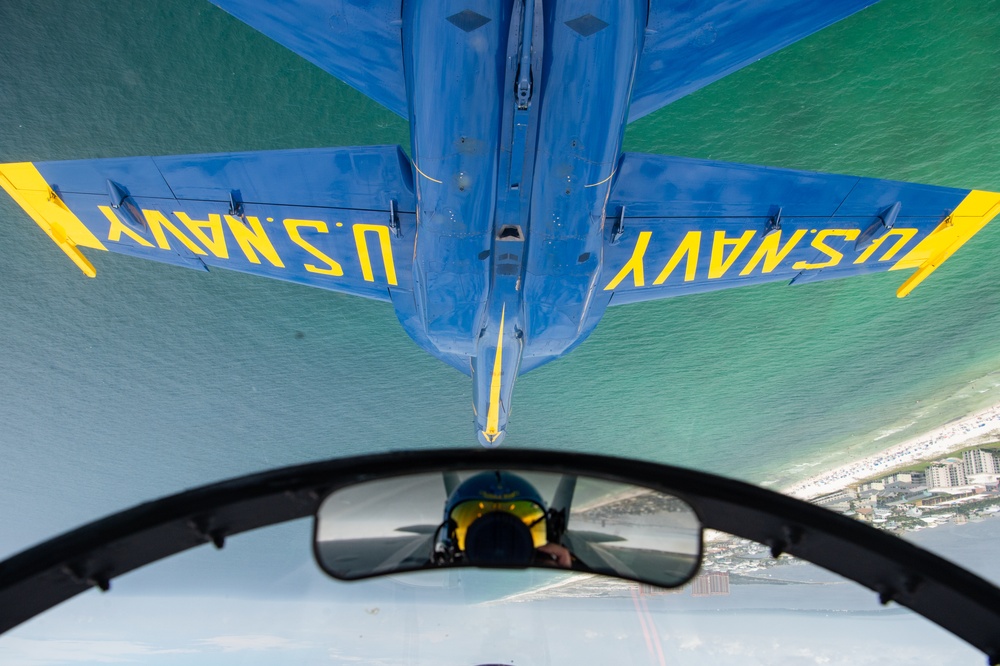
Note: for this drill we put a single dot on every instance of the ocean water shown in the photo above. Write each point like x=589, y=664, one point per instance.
x=152, y=378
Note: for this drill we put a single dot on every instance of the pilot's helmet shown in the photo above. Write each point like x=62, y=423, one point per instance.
x=496, y=518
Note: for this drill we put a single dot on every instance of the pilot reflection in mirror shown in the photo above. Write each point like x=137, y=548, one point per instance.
x=498, y=519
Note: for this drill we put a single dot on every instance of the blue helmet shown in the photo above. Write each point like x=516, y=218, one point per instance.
x=493, y=518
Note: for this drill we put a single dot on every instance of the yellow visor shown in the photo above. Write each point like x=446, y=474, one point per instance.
x=533, y=516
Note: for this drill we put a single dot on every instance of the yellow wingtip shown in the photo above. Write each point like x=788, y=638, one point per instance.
x=972, y=214
x=30, y=191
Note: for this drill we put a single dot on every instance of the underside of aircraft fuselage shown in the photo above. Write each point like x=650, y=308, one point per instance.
x=515, y=220
x=512, y=193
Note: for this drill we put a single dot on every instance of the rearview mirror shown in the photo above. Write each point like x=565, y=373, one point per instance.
x=504, y=518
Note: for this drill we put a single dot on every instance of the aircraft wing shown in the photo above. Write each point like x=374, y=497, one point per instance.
x=678, y=225
x=357, y=42
x=336, y=218
x=690, y=44
x=360, y=558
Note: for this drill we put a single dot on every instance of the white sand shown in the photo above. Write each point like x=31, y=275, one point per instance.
x=929, y=446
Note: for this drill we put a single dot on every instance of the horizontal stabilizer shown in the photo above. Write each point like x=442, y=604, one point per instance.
x=336, y=218
x=357, y=42
x=693, y=43
x=685, y=225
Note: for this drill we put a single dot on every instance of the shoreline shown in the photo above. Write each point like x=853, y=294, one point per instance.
x=952, y=436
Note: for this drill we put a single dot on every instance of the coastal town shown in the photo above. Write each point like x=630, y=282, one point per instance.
x=950, y=475
x=977, y=429
x=955, y=489
x=960, y=488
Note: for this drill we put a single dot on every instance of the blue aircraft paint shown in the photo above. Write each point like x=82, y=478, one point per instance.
x=456, y=157
x=515, y=220
x=576, y=157
x=690, y=44
x=357, y=42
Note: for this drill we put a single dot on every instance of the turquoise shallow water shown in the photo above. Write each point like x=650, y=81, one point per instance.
x=151, y=378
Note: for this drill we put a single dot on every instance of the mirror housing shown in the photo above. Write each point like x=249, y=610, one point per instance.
x=504, y=518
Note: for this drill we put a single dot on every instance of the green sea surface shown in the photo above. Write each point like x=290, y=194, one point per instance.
x=151, y=378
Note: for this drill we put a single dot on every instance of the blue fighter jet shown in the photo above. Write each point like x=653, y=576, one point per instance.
x=515, y=220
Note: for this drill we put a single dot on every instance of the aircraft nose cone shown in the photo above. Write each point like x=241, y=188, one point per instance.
x=490, y=441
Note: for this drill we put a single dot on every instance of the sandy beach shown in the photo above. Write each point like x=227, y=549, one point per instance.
x=935, y=444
